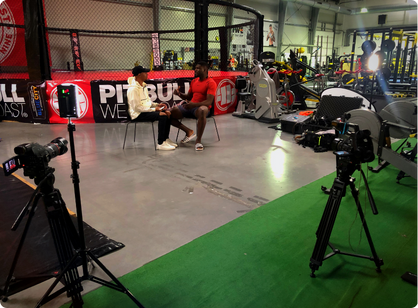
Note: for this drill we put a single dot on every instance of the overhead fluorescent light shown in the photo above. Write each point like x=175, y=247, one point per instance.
x=363, y=10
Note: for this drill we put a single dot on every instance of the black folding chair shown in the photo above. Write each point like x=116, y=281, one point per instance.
x=209, y=116
x=129, y=121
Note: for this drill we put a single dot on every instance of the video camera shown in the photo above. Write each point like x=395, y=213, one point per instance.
x=34, y=158
x=353, y=142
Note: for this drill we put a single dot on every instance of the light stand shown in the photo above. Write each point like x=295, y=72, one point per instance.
x=69, y=108
x=82, y=251
x=76, y=181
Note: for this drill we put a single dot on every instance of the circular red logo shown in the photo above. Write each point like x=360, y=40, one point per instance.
x=225, y=95
x=82, y=99
x=7, y=34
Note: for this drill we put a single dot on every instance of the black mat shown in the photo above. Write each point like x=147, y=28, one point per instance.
x=38, y=259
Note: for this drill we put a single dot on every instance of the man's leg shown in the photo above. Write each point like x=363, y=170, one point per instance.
x=167, y=129
x=201, y=114
x=155, y=116
x=163, y=124
x=175, y=116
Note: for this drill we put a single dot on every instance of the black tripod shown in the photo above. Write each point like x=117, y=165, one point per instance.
x=62, y=229
x=345, y=168
x=70, y=245
x=82, y=251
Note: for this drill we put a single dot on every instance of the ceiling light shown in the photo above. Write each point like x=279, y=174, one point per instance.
x=363, y=10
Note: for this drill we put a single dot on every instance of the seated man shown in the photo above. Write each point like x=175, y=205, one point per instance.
x=199, y=100
x=141, y=109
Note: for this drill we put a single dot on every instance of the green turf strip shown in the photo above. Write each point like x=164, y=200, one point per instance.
x=261, y=259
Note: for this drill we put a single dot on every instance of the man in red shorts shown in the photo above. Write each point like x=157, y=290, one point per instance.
x=199, y=101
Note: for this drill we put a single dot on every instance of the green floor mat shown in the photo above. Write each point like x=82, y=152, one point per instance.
x=261, y=259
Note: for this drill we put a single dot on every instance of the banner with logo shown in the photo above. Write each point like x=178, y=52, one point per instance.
x=100, y=101
x=83, y=99
x=226, y=95
x=12, y=40
x=22, y=101
x=109, y=97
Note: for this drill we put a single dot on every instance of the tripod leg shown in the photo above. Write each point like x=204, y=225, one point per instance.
x=47, y=297
x=327, y=223
x=369, y=194
x=377, y=261
x=120, y=286
x=63, y=239
x=19, y=247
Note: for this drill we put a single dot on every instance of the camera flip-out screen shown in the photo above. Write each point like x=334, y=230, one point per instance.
x=67, y=101
x=11, y=165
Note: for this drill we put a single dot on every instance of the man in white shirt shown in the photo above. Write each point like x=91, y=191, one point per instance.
x=141, y=109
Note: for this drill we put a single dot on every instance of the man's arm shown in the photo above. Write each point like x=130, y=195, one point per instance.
x=207, y=102
x=136, y=104
x=183, y=96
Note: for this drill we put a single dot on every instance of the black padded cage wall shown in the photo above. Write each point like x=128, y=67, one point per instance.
x=99, y=36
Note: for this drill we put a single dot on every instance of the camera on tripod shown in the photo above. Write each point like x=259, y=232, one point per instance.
x=353, y=148
x=353, y=142
x=34, y=158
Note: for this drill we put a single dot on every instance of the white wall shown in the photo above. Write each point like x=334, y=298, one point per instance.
x=371, y=20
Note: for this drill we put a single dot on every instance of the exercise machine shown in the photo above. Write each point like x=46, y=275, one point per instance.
x=264, y=106
x=392, y=122
x=266, y=103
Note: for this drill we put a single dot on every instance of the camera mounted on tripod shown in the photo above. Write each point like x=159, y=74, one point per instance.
x=352, y=148
x=352, y=143
x=34, y=158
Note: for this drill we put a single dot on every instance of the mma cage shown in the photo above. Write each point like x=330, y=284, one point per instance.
x=52, y=39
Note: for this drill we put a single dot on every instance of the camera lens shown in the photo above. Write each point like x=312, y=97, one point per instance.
x=61, y=143
x=56, y=147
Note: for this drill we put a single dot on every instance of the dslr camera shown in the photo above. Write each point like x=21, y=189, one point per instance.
x=353, y=142
x=34, y=158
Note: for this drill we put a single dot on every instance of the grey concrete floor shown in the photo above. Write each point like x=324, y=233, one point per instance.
x=155, y=201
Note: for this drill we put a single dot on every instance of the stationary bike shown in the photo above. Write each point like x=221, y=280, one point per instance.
x=285, y=96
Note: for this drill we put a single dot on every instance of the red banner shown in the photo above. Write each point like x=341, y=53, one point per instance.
x=12, y=40
x=83, y=99
x=226, y=95
x=108, y=97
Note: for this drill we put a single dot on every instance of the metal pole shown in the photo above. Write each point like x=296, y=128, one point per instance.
x=389, y=55
x=405, y=56
x=320, y=54
x=353, y=48
x=281, y=18
x=316, y=52
x=398, y=56
x=416, y=72
x=412, y=63
x=334, y=28
x=326, y=54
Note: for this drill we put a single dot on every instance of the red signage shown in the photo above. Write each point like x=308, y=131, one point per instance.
x=226, y=95
x=108, y=105
x=83, y=99
x=12, y=40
